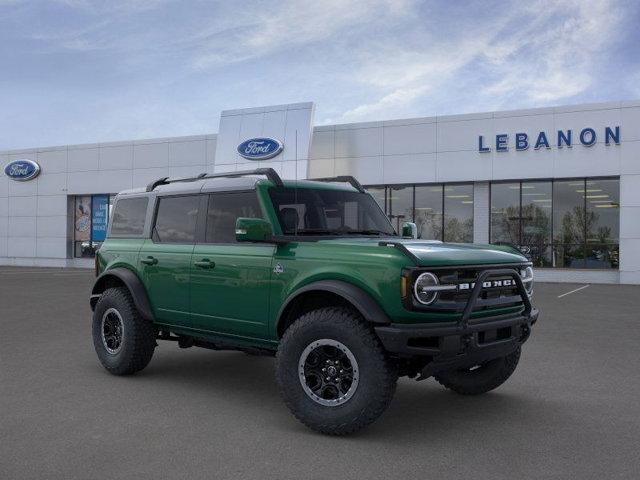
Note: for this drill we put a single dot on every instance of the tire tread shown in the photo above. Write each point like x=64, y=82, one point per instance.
x=348, y=321
x=142, y=334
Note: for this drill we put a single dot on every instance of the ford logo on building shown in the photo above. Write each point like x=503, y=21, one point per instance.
x=22, y=170
x=260, y=148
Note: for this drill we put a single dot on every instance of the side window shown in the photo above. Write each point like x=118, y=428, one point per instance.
x=176, y=219
x=128, y=216
x=292, y=217
x=224, y=209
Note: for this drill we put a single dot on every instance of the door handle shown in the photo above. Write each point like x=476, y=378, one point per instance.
x=149, y=260
x=204, y=263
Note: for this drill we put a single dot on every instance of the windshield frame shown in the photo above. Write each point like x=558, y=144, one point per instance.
x=374, y=212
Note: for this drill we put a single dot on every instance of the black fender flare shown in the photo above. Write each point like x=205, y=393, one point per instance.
x=133, y=284
x=370, y=310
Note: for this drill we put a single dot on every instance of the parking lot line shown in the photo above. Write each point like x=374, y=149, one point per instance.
x=573, y=291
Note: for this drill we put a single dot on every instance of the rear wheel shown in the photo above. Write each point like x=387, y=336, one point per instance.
x=480, y=378
x=333, y=373
x=123, y=340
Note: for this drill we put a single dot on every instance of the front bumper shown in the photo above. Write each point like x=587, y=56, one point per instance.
x=467, y=342
x=450, y=347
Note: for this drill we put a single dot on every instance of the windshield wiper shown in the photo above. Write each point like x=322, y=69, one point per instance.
x=323, y=231
x=368, y=232
x=316, y=231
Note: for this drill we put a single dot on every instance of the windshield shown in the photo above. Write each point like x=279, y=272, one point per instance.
x=306, y=211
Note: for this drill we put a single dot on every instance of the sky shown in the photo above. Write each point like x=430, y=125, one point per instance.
x=80, y=71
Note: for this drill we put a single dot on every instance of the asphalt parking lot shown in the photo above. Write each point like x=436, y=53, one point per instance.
x=571, y=410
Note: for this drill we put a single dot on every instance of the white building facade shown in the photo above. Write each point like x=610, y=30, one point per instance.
x=562, y=184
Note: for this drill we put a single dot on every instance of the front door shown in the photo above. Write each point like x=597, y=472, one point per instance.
x=229, y=280
x=165, y=259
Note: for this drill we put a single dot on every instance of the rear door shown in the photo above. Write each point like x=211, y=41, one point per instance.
x=229, y=280
x=165, y=259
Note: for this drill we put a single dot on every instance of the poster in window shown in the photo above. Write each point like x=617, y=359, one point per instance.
x=99, y=217
x=82, y=229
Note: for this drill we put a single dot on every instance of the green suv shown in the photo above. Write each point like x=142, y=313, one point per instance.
x=313, y=273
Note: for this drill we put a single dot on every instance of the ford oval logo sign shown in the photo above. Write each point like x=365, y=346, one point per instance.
x=260, y=148
x=22, y=170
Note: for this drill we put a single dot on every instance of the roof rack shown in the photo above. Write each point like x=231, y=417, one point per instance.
x=270, y=173
x=342, y=178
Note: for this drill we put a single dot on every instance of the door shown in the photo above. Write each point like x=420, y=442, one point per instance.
x=165, y=259
x=230, y=280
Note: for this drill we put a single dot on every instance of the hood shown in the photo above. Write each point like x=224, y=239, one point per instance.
x=433, y=253
x=436, y=253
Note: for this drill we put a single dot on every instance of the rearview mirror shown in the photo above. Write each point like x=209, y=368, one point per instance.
x=253, y=230
x=409, y=229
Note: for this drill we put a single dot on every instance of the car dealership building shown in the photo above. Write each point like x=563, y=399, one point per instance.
x=562, y=184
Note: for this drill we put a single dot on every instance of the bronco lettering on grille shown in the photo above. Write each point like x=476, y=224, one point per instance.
x=488, y=284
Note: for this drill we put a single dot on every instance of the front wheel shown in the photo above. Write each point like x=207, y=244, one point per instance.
x=333, y=373
x=480, y=378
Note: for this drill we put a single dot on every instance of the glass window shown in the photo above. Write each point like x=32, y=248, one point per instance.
x=505, y=213
x=603, y=211
x=223, y=211
x=569, y=223
x=428, y=212
x=400, y=205
x=565, y=223
x=378, y=193
x=536, y=222
x=309, y=211
x=603, y=223
x=176, y=219
x=91, y=218
x=458, y=213
x=128, y=216
x=82, y=227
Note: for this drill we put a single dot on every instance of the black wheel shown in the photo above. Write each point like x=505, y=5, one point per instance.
x=123, y=340
x=333, y=372
x=480, y=378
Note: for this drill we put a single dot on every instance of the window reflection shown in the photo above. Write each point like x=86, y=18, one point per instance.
x=603, y=223
x=505, y=213
x=378, y=193
x=536, y=200
x=428, y=212
x=441, y=212
x=458, y=213
x=400, y=201
x=565, y=223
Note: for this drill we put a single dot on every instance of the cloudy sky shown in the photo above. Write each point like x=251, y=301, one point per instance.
x=80, y=71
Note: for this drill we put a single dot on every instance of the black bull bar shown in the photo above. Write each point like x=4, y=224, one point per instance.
x=468, y=341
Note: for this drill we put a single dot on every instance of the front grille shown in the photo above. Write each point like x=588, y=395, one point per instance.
x=502, y=291
x=468, y=277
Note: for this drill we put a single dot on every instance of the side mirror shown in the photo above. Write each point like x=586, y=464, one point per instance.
x=253, y=230
x=409, y=229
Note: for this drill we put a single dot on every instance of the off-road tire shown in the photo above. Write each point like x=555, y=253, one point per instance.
x=377, y=374
x=138, y=339
x=482, y=379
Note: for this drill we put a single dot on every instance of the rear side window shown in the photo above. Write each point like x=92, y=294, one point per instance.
x=176, y=219
x=128, y=216
x=224, y=209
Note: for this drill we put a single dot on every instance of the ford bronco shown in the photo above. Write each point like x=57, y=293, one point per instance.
x=313, y=273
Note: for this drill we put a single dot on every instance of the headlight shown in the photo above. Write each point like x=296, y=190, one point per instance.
x=425, y=288
x=527, y=279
